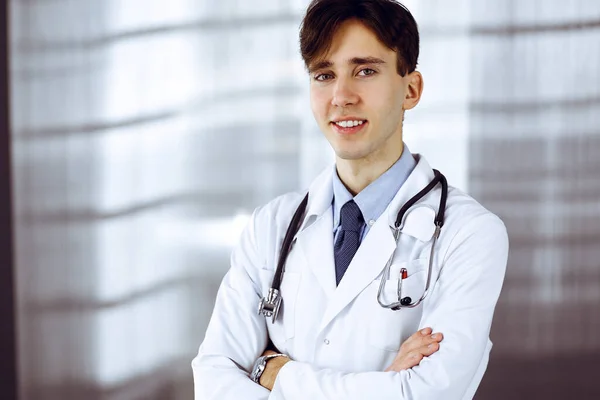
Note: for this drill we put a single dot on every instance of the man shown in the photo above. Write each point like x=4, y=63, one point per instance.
x=332, y=338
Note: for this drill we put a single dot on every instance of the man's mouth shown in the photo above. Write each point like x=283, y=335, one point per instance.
x=349, y=123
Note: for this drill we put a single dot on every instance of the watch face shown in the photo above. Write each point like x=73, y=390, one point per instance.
x=259, y=367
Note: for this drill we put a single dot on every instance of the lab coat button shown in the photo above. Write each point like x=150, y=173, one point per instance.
x=326, y=341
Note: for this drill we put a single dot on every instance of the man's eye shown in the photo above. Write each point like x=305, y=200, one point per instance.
x=367, y=72
x=323, y=77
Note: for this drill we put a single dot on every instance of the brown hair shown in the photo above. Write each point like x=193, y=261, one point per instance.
x=391, y=22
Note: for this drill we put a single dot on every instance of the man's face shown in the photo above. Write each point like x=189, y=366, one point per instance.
x=357, y=80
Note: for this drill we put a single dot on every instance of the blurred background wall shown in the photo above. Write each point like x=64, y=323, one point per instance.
x=144, y=132
x=534, y=147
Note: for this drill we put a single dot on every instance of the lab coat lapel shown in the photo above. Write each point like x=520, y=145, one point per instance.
x=315, y=238
x=368, y=262
x=316, y=243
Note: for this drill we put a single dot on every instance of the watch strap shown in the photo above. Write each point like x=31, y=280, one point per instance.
x=260, y=365
x=267, y=358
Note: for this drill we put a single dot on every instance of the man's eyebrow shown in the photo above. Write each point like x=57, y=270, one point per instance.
x=366, y=60
x=353, y=61
x=320, y=65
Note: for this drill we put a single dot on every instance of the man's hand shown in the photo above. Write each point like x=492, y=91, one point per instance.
x=267, y=379
x=412, y=351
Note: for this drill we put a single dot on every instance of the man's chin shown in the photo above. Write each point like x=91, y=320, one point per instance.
x=349, y=154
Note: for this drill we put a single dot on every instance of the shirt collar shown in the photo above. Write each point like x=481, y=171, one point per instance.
x=374, y=199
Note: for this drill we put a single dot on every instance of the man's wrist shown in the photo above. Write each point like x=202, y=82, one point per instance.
x=272, y=368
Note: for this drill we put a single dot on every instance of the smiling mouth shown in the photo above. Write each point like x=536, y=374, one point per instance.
x=349, y=127
x=349, y=123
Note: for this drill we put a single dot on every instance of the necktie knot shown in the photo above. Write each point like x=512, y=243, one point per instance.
x=351, y=219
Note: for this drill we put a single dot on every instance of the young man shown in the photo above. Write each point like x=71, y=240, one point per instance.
x=335, y=336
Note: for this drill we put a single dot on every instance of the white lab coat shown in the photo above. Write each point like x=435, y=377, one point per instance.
x=340, y=339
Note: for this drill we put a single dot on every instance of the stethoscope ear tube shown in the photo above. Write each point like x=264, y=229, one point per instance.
x=269, y=306
x=439, y=218
x=287, y=242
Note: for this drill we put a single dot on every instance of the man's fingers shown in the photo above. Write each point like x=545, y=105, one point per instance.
x=420, y=339
x=423, y=332
x=414, y=340
x=437, y=337
x=422, y=344
x=430, y=349
x=416, y=356
x=424, y=350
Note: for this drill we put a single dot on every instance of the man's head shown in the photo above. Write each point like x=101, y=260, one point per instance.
x=361, y=56
x=390, y=21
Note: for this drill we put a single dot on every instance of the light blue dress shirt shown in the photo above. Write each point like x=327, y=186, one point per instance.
x=374, y=199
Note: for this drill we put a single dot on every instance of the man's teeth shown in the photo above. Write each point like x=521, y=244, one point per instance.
x=349, y=124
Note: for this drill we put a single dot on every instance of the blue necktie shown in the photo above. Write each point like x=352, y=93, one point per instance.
x=345, y=247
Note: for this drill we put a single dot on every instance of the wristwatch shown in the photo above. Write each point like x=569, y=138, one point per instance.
x=260, y=364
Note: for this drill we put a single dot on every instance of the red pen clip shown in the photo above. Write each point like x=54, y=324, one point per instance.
x=403, y=276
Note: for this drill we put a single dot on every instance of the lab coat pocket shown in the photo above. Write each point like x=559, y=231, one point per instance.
x=284, y=327
x=388, y=328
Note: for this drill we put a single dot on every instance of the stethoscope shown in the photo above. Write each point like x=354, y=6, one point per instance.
x=270, y=305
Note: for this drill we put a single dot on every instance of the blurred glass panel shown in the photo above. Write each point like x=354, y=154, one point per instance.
x=144, y=135
x=535, y=111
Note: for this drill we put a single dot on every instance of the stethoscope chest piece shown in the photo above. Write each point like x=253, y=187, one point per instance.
x=269, y=306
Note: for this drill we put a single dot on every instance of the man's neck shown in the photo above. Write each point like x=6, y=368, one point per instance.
x=358, y=174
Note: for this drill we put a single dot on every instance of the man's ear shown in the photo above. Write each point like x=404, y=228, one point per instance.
x=415, y=89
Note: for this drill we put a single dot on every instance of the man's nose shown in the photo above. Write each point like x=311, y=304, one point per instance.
x=343, y=94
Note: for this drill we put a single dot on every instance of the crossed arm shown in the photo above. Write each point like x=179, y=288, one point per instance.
x=461, y=307
x=421, y=344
